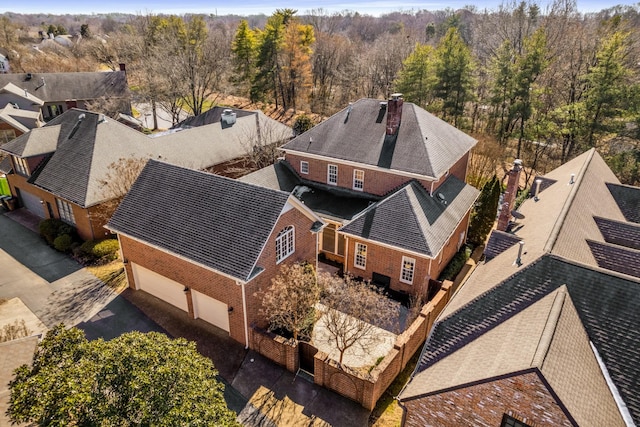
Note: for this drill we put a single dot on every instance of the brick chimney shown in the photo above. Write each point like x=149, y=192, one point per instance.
x=509, y=197
x=394, y=113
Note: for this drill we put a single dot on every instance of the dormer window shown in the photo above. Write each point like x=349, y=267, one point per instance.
x=21, y=165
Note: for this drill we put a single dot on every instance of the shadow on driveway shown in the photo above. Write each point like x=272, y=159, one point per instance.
x=28, y=248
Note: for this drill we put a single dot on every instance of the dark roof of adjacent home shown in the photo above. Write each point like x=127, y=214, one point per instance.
x=412, y=219
x=628, y=199
x=214, y=115
x=335, y=203
x=499, y=241
x=425, y=145
x=80, y=153
x=51, y=87
x=214, y=221
x=5, y=165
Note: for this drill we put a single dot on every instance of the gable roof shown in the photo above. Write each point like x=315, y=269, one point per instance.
x=81, y=156
x=224, y=225
x=425, y=145
x=412, y=219
x=565, y=217
x=67, y=86
x=23, y=120
x=547, y=336
x=23, y=93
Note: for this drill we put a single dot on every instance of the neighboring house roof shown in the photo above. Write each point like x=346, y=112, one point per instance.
x=5, y=165
x=23, y=93
x=67, y=86
x=425, y=145
x=412, y=219
x=81, y=154
x=214, y=221
x=334, y=203
x=547, y=336
x=23, y=120
x=559, y=231
x=214, y=115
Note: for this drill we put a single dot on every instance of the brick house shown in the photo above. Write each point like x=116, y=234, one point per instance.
x=207, y=244
x=59, y=170
x=544, y=332
x=388, y=178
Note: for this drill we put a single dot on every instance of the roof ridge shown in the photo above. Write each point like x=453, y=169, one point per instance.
x=549, y=328
x=555, y=232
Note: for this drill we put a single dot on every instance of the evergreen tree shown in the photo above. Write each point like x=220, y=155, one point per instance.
x=244, y=50
x=484, y=212
x=453, y=75
x=414, y=79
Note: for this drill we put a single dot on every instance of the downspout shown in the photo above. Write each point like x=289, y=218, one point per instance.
x=244, y=311
x=346, y=254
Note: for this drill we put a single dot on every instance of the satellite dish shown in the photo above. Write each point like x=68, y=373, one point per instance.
x=517, y=215
x=440, y=197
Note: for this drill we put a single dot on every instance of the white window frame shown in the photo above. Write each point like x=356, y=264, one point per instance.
x=7, y=135
x=22, y=167
x=332, y=174
x=407, y=274
x=360, y=256
x=304, y=167
x=285, y=243
x=358, y=180
x=65, y=210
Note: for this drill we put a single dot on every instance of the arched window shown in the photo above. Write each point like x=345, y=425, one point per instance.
x=285, y=243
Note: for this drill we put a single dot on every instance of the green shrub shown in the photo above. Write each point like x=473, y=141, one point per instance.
x=457, y=262
x=63, y=242
x=98, y=251
x=49, y=229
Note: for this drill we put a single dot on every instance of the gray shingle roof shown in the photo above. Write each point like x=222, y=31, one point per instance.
x=66, y=86
x=211, y=116
x=628, y=199
x=425, y=145
x=499, y=241
x=619, y=233
x=606, y=304
x=215, y=221
x=329, y=201
x=411, y=219
x=5, y=165
x=616, y=258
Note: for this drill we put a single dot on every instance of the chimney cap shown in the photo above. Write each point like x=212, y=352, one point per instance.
x=517, y=162
x=396, y=95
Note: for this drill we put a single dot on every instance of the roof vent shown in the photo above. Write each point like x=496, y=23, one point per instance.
x=441, y=198
x=572, y=178
x=228, y=117
x=519, y=259
x=383, y=105
x=101, y=118
x=28, y=76
x=537, y=183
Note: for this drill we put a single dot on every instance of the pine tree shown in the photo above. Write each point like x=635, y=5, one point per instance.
x=414, y=79
x=484, y=212
x=244, y=49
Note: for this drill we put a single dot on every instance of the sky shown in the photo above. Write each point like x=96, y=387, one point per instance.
x=251, y=7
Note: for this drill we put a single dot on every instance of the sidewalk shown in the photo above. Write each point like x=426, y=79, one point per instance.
x=263, y=393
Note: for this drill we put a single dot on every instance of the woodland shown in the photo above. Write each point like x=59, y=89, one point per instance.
x=540, y=82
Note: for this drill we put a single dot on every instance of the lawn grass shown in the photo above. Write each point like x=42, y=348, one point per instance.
x=387, y=411
x=112, y=274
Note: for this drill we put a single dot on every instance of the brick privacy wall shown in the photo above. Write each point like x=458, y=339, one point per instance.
x=483, y=405
x=221, y=287
x=365, y=389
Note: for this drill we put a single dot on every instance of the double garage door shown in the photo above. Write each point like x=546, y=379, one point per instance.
x=204, y=307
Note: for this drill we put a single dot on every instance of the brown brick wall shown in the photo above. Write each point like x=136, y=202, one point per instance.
x=375, y=182
x=483, y=405
x=221, y=287
x=387, y=261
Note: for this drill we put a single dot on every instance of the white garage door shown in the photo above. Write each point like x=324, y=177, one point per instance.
x=159, y=286
x=32, y=203
x=210, y=310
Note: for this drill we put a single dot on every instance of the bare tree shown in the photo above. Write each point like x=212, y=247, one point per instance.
x=353, y=311
x=290, y=300
x=119, y=178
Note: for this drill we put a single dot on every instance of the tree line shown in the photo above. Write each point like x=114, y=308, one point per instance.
x=541, y=84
